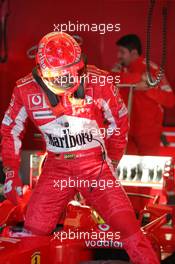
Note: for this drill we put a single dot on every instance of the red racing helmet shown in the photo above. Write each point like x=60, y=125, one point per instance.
x=59, y=59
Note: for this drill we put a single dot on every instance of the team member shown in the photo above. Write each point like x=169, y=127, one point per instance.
x=147, y=104
x=69, y=114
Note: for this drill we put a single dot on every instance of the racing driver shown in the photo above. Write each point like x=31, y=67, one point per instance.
x=70, y=112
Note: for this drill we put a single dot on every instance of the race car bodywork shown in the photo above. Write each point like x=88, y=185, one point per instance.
x=81, y=234
x=75, y=240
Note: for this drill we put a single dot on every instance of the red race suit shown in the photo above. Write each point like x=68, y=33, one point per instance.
x=147, y=109
x=73, y=134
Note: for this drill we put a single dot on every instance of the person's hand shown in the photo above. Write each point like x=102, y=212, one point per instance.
x=117, y=68
x=12, y=186
x=115, y=163
x=142, y=85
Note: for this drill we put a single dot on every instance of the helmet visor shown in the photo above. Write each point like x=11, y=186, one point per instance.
x=61, y=84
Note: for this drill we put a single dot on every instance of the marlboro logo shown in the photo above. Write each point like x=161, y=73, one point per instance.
x=69, y=141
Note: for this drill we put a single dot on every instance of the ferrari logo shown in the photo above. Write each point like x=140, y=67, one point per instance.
x=35, y=259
